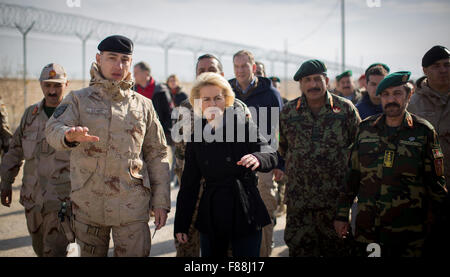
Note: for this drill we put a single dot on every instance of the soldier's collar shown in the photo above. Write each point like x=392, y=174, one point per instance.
x=38, y=107
x=407, y=122
x=117, y=89
x=302, y=103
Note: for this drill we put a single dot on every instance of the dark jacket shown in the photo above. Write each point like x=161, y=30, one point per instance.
x=231, y=205
x=178, y=97
x=366, y=108
x=163, y=104
x=263, y=94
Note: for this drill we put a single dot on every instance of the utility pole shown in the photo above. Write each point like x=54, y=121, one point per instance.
x=343, y=33
x=24, y=32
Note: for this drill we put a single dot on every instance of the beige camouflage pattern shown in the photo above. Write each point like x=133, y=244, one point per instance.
x=434, y=107
x=117, y=180
x=45, y=183
x=46, y=180
x=5, y=132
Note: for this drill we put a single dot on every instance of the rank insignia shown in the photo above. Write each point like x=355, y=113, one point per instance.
x=437, y=153
x=439, y=166
x=388, y=158
x=35, y=110
x=299, y=102
x=52, y=74
x=405, y=78
x=336, y=109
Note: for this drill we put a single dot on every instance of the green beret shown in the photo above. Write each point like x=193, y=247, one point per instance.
x=310, y=67
x=347, y=73
x=275, y=79
x=375, y=64
x=392, y=80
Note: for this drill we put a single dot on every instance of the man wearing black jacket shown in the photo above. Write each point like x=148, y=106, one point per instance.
x=260, y=96
x=159, y=93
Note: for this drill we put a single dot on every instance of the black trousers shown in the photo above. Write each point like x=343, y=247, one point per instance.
x=217, y=246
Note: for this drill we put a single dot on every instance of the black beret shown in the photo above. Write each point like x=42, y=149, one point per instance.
x=310, y=67
x=393, y=80
x=347, y=73
x=375, y=64
x=116, y=43
x=436, y=53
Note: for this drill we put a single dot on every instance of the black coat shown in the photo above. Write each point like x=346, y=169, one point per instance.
x=231, y=205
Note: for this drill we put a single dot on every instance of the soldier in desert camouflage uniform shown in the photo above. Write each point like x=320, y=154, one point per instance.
x=205, y=63
x=5, y=132
x=117, y=170
x=315, y=131
x=46, y=180
x=396, y=171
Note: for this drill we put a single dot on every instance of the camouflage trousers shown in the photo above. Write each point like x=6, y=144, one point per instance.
x=311, y=233
x=267, y=190
x=192, y=247
x=131, y=240
x=47, y=238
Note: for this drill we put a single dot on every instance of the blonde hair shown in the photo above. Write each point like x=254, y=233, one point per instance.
x=212, y=79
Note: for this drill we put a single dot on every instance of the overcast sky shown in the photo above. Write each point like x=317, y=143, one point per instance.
x=398, y=32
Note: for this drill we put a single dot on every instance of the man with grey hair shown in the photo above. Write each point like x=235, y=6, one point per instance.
x=258, y=92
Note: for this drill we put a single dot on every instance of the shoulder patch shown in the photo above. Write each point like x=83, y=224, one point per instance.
x=60, y=110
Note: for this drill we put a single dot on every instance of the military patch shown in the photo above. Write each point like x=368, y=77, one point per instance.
x=52, y=74
x=388, y=158
x=437, y=153
x=439, y=166
x=405, y=78
x=412, y=139
x=60, y=110
x=35, y=110
x=299, y=102
x=336, y=109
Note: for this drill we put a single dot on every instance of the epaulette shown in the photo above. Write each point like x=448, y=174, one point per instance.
x=372, y=120
x=422, y=121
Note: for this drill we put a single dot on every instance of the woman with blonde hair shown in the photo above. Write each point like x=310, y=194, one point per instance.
x=231, y=211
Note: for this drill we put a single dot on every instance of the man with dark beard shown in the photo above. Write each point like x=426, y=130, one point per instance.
x=396, y=171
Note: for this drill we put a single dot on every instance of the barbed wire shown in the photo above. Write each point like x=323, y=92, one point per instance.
x=57, y=23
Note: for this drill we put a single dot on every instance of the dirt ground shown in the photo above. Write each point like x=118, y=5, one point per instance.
x=16, y=242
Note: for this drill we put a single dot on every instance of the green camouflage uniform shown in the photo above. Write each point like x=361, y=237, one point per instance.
x=398, y=179
x=316, y=153
x=192, y=247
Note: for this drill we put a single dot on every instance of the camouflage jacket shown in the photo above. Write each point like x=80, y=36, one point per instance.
x=316, y=150
x=396, y=178
x=114, y=179
x=5, y=132
x=46, y=180
x=435, y=108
